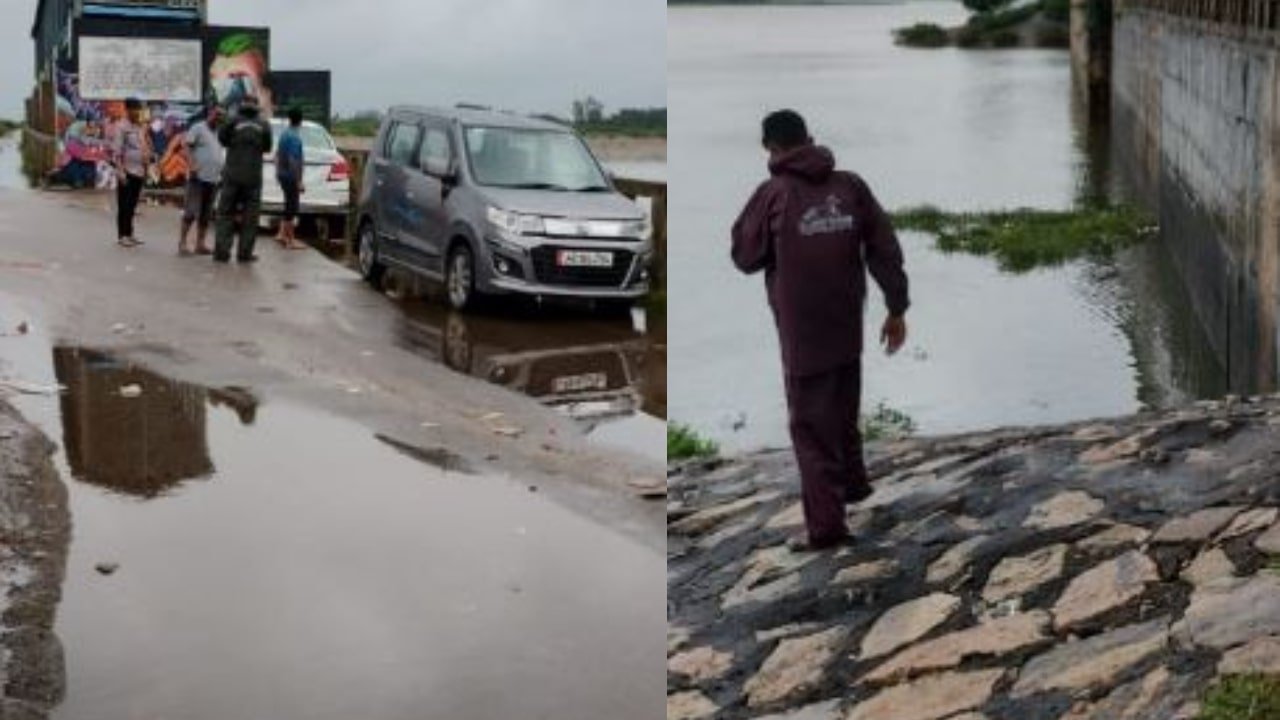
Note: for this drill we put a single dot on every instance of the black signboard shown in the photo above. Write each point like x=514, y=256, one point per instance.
x=308, y=90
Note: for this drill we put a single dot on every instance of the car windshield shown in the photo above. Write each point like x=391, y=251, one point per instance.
x=314, y=137
x=535, y=159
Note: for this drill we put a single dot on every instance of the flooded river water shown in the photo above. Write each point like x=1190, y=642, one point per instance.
x=959, y=129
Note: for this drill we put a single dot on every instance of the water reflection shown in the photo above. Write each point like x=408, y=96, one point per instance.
x=132, y=431
x=1207, y=266
x=590, y=368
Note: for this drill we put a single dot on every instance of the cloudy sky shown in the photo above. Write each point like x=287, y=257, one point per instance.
x=528, y=55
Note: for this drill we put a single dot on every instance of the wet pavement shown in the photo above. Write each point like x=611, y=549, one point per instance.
x=295, y=557
x=295, y=497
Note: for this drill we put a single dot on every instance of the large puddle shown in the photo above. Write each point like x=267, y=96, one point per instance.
x=276, y=562
x=607, y=372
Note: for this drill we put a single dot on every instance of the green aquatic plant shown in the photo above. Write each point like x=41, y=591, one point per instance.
x=1024, y=239
x=684, y=443
x=886, y=423
x=923, y=35
x=1243, y=697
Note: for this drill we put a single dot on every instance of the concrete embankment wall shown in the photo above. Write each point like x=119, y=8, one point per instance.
x=1196, y=130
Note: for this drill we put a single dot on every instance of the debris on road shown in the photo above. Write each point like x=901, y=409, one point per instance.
x=439, y=457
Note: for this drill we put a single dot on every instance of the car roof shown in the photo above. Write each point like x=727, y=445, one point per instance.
x=476, y=116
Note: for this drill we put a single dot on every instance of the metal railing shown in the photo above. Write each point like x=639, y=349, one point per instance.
x=1253, y=14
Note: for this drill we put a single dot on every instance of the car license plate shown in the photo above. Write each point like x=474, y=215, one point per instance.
x=580, y=383
x=584, y=258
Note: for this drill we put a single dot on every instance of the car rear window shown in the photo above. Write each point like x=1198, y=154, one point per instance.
x=314, y=137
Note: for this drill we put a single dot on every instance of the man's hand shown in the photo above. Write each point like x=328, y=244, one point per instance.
x=894, y=334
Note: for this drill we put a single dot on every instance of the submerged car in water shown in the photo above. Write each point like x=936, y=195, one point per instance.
x=491, y=203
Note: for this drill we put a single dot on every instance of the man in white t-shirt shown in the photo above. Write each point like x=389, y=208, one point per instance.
x=206, y=159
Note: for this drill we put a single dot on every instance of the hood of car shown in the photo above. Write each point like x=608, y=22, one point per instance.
x=577, y=205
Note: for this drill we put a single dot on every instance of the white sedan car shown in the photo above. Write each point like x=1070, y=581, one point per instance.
x=326, y=180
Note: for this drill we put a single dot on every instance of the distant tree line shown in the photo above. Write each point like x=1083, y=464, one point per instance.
x=587, y=116
x=8, y=126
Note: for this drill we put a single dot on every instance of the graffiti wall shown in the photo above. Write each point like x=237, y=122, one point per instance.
x=239, y=63
x=173, y=80
x=84, y=128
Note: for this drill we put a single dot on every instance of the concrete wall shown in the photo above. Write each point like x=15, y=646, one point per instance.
x=1196, y=129
x=1091, y=46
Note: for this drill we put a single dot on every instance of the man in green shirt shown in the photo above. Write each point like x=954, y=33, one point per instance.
x=247, y=139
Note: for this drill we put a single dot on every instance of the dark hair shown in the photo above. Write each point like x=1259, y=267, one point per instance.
x=785, y=129
x=132, y=104
x=295, y=116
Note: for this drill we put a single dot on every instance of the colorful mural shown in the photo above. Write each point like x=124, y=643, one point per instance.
x=239, y=62
x=84, y=126
x=236, y=63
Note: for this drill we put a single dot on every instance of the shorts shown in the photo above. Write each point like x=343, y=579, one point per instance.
x=292, y=198
x=200, y=201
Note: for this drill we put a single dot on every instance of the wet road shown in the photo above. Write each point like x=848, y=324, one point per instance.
x=315, y=513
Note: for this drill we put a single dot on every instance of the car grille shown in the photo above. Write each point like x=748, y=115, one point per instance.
x=547, y=272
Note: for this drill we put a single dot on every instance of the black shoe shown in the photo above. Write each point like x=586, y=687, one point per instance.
x=247, y=259
x=224, y=259
x=857, y=493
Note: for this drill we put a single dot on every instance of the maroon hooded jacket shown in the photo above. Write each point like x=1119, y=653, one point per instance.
x=815, y=232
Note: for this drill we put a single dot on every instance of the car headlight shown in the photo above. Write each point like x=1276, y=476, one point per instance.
x=515, y=224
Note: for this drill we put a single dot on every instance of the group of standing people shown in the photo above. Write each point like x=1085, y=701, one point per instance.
x=224, y=181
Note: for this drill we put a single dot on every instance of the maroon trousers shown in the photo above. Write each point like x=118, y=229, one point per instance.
x=828, y=446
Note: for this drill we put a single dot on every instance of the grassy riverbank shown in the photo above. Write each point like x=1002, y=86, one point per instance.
x=1024, y=239
x=684, y=443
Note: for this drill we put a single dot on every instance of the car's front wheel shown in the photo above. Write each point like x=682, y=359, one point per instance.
x=367, y=255
x=460, y=279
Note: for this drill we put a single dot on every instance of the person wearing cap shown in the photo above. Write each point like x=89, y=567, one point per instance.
x=247, y=139
x=131, y=157
x=815, y=232
x=206, y=154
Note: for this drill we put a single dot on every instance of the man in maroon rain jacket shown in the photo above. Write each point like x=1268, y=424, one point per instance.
x=815, y=232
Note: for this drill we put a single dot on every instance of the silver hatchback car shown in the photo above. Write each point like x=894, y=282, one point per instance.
x=492, y=203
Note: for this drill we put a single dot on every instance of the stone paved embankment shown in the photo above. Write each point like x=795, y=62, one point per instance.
x=1090, y=572
x=35, y=531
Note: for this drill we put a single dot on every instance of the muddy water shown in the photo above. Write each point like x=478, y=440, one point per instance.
x=278, y=562
x=963, y=130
